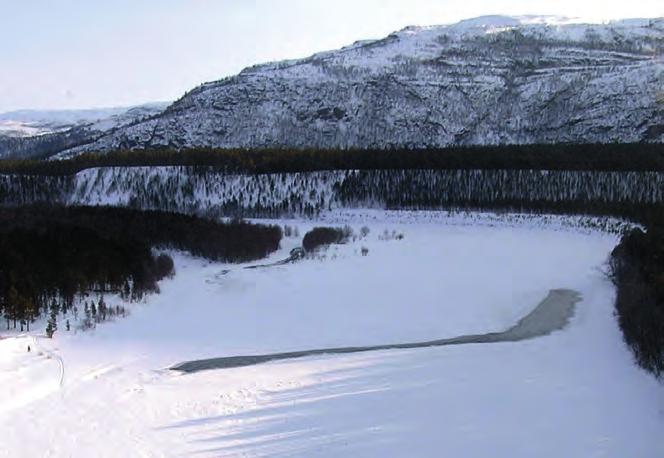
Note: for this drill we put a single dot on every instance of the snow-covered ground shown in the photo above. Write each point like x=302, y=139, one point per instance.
x=573, y=393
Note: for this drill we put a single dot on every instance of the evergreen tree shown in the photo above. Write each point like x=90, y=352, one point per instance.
x=52, y=325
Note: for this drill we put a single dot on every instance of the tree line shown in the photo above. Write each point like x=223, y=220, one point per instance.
x=598, y=156
x=636, y=267
x=593, y=193
x=51, y=255
x=205, y=191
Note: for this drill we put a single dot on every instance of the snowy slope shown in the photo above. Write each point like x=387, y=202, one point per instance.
x=489, y=80
x=214, y=193
x=33, y=122
x=573, y=393
x=27, y=133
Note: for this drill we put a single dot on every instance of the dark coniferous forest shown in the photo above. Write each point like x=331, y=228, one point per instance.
x=595, y=157
x=322, y=236
x=51, y=255
x=637, y=269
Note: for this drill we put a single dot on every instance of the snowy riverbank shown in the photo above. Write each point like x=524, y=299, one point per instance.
x=575, y=392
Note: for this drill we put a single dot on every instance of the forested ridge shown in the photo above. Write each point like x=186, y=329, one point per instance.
x=206, y=191
x=594, y=157
x=40, y=147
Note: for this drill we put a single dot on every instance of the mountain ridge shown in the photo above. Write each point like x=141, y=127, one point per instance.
x=41, y=133
x=484, y=81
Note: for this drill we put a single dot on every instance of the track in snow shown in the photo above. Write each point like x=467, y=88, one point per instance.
x=50, y=354
x=552, y=314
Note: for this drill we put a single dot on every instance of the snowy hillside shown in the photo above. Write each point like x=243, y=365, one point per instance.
x=575, y=392
x=489, y=80
x=27, y=133
x=207, y=191
x=25, y=123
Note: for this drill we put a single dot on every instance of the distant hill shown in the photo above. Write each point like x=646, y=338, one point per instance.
x=39, y=133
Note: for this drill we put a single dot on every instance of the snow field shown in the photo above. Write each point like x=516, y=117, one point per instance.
x=573, y=393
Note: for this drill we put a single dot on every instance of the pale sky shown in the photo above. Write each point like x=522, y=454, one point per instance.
x=57, y=54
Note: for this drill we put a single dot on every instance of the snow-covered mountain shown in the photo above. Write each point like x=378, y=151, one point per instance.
x=30, y=133
x=26, y=123
x=489, y=80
